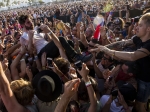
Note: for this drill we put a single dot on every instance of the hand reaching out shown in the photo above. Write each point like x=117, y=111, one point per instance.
x=71, y=87
x=84, y=72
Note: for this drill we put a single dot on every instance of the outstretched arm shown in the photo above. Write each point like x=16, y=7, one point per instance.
x=46, y=29
x=120, y=44
x=7, y=95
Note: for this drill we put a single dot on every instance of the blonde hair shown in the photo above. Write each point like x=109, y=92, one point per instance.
x=23, y=91
x=146, y=18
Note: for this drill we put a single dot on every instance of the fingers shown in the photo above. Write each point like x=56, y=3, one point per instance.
x=73, y=83
x=94, y=50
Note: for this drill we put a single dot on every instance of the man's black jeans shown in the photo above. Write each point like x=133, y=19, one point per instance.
x=52, y=51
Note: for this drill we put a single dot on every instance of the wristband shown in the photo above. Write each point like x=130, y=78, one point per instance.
x=88, y=83
x=112, y=57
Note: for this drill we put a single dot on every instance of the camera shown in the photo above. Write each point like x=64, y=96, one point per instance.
x=49, y=62
x=114, y=93
x=136, y=19
x=78, y=65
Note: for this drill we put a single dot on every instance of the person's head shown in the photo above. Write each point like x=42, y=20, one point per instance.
x=119, y=22
x=110, y=26
x=74, y=31
x=72, y=18
x=130, y=68
x=23, y=91
x=62, y=64
x=143, y=28
x=106, y=61
x=117, y=32
x=17, y=35
x=89, y=34
x=26, y=22
x=128, y=92
x=127, y=24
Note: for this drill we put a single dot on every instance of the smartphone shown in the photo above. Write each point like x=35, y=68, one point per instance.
x=114, y=93
x=49, y=62
x=39, y=30
x=78, y=65
x=110, y=78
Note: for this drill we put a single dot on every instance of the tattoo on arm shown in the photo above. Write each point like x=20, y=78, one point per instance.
x=120, y=44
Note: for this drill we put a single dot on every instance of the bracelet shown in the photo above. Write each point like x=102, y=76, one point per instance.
x=88, y=83
x=112, y=57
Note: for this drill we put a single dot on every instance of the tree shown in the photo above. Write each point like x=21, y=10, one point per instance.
x=1, y=4
x=41, y=2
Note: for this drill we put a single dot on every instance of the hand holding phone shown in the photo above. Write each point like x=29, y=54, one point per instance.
x=78, y=65
x=49, y=62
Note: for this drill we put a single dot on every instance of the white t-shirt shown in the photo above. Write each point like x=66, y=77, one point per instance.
x=38, y=40
x=113, y=107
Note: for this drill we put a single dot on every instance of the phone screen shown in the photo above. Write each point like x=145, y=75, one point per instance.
x=49, y=61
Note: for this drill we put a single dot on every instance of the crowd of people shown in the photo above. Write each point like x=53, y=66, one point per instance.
x=55, y=58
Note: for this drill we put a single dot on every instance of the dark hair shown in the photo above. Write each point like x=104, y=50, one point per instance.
x=109, y=24
x=22, y=19
x=62, y=64
x=15, y=34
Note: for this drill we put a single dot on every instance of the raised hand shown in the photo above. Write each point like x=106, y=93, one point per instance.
x=31, y=33
x=71, y=87
x=84, y=72
x=45, y=29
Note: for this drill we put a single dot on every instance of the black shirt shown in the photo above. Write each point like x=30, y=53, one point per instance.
x=143, y=63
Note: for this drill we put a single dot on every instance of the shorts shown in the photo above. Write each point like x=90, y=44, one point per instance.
x=143, y=91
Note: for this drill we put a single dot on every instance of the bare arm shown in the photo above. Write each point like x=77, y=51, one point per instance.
x=128, y=56
x=7, y=95
x=83, y=37
x=70, y=89
x=14, y=70
x=97, y=71
x=120, y=44
x=92, y=96
x=23, y=68
x=55, y=39
x=12, y=49
x=30, y=45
